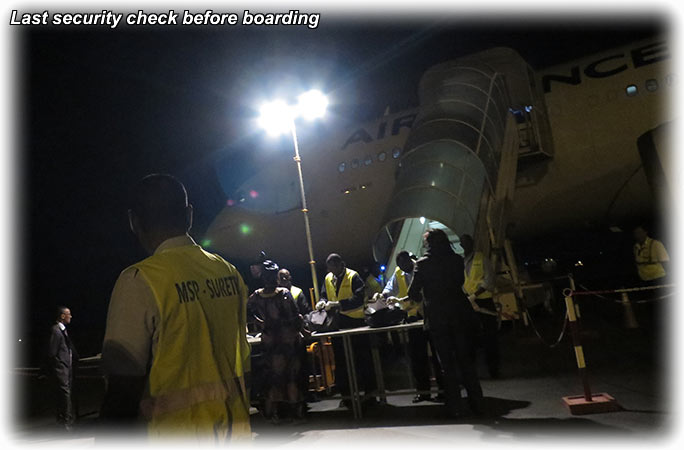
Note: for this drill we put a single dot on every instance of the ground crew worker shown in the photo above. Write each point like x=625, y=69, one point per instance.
x=373, y=282
x=649, y=256
x=479, y=285
x=285, y=280
x=651, y=259
x=397, y=286
x=343, y=289
x=175, y=351
x=449, y=317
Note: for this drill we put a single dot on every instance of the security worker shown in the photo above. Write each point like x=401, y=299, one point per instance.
x=649, y=256
x=343, y=290
x=478, y=285
x=175, y=351
x=373, y=281
x=285, y=280
x=397, y=287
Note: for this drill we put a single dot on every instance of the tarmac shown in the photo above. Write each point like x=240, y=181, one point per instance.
x=524, y=405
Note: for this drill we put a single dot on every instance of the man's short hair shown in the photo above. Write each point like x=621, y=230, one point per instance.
x=333, y=258
x=160, y=201
x=61, y=310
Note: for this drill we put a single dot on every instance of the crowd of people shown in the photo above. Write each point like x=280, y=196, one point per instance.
x=176, y=355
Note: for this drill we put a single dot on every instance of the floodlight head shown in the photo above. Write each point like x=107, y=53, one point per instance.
x=276, y=117
x=312, y=104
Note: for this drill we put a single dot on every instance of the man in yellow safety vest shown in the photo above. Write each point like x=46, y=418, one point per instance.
x=649, y=255
x=651, y=259
x=175, y=351
x=344, y=290
x=373, y=281
x=479, y=285
x=285, y=280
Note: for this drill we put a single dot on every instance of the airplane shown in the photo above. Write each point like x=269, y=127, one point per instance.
x=495, y=149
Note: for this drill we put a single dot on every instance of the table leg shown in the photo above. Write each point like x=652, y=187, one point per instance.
x=351, y=374
x=377, y=368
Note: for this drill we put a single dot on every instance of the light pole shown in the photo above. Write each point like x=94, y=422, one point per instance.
x=277, y=117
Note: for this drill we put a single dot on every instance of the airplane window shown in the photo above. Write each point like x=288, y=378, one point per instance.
x=651, y=84
x=341, y=167
x=396, y=152
x=368, y=160
x=355, y=163
x=631, y=90
x=382, y=156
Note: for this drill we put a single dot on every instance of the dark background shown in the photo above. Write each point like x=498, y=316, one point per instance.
x=101, y=108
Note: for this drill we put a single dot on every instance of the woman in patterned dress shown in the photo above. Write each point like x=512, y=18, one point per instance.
x=280, y=324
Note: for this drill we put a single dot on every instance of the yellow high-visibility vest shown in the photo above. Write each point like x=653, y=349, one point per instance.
x=296, y=292
x=372, y=287
x=412, y=308
x=648, y=265
x=473, y=279
x=196, y=384
x=345, y=293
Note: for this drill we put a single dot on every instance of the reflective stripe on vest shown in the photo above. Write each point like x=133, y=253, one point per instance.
x=648, y=268
x=344, y=294
x=196, y=379
x=472, y=280
x=412, y=308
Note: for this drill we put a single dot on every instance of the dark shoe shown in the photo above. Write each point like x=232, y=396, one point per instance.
x=345, y=403
x=477, y=407
x=439, y=398
x=421, y=398
x=369, y=401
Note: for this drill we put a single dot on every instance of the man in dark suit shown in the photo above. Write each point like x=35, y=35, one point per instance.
x=61, y=356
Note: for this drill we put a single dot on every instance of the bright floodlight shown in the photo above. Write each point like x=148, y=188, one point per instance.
x=276, y=117
x=312, y=104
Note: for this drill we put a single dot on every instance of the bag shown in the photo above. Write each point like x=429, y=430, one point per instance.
x=322, y=321
x=385, y=317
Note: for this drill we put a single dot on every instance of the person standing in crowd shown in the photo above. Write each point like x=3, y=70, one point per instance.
x=254, y=281
x=61, y=359
x=344, y=290
x=280, y=322
x=175, y=351
x=479, y=287
x=397, y=286
x=449, y=317
x=285, y=280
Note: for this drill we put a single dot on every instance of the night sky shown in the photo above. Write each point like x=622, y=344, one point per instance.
x=100, y=109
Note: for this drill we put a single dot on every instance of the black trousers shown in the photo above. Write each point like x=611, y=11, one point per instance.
x=62, y=389
x=420, y=362
x=454, y=343
x=488, y=339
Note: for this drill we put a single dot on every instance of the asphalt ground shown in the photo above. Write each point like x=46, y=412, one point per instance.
x=523, y=406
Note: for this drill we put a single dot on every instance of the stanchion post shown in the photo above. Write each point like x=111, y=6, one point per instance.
x=587, y=403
